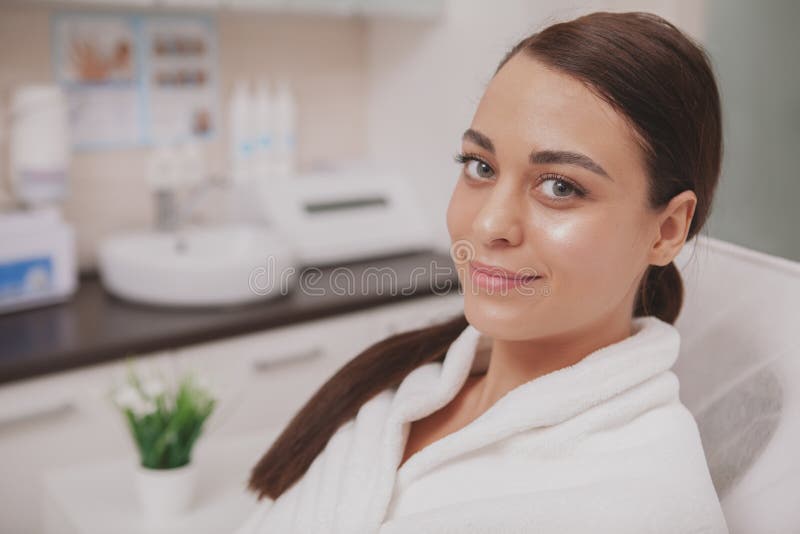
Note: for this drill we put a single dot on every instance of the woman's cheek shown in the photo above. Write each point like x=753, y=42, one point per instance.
x=576, y=251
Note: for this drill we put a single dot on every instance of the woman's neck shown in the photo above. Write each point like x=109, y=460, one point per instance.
x=513, y=363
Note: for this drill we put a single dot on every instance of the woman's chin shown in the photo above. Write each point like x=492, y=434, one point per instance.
x=500, y=319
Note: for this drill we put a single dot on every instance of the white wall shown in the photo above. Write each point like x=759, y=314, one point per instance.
x=425, y=80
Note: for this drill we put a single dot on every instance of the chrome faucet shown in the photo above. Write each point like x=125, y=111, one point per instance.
x=170, y=215
x=166, y=210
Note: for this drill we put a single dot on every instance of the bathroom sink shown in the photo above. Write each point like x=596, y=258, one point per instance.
x=214, y=266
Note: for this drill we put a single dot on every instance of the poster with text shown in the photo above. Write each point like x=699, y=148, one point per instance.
x=134, y=80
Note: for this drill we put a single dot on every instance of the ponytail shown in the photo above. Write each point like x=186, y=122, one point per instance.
x=660, y=293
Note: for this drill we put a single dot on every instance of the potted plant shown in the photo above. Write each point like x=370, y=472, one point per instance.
x=165, y=423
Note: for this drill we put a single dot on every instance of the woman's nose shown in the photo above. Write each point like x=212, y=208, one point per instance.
x=498, y=221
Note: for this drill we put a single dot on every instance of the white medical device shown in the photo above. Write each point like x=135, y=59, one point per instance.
x=37, y=259
x=38, y=263
x=338, y=217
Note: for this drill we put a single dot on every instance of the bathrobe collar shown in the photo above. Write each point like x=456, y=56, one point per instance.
x=546, y=400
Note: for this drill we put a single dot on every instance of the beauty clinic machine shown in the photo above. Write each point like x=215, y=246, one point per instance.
x=343, y=216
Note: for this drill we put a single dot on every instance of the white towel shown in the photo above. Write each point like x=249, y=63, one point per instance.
x=602, y=446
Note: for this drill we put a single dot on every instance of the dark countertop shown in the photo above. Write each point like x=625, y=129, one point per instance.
x=96, y=327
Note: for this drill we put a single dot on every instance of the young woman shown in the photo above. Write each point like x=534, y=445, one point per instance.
x=549, y=405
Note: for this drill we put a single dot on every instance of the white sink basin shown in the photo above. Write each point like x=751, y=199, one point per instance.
x=224, y=265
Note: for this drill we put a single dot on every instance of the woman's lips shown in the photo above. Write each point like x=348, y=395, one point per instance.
x=493, y=278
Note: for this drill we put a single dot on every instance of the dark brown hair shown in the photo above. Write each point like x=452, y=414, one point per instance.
x=662, y=83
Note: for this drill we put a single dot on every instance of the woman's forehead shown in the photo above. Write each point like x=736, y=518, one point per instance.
x=528, y=105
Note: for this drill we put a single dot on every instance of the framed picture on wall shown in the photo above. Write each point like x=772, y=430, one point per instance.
x=136, y=80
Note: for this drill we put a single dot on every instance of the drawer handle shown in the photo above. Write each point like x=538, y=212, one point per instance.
x=260, y=365
x=33, y=412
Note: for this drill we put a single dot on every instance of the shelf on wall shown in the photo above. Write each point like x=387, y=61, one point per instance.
x=429, y=9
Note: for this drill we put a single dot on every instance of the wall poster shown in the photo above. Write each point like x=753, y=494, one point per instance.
x=136, y=80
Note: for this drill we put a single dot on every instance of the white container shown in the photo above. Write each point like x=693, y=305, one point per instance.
x=265, y=132
x=285, y=130
x=240, y=135
x=39, y=146
x=37, y=259
x=166, y=493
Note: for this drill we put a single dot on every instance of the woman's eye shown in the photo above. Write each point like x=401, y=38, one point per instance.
x=560, y=189
x=478, y=168
x=474, y=167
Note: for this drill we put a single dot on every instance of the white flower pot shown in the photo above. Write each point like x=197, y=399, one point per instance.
x=165, y=493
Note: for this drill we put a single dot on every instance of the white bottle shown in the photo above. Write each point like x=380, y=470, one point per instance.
x=239, y=136
x=265, y=134
x=39, y=144
x=285, y=130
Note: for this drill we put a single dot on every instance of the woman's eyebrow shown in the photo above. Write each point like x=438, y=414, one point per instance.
x=543, y=156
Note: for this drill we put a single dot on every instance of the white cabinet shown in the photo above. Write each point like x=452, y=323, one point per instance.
x=52, y=422
x=262, y=378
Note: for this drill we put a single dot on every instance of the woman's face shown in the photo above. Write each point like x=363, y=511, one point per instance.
x=557, y=188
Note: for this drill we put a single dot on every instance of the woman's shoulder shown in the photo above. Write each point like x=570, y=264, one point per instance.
x=656, y=439
x=657, y=424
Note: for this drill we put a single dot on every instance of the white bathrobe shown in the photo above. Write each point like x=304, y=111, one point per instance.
x=602, y=446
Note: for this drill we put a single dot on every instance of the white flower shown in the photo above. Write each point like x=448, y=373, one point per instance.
x=145, y=408
x=129, y=398
x=153, y=387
